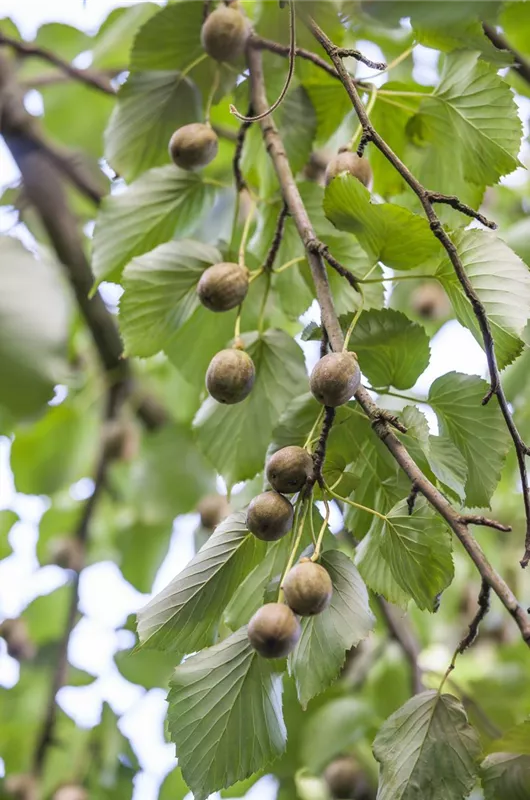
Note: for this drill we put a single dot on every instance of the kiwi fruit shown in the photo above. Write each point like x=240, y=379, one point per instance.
x=270, y=516
x=335, y=379
x=289, y=468
x=346, y=161
x=274, y=630
x=193, y=146
x=307, y=588
x=342, y=777
x=223, y=286
x=230, y=376
x=213, y=509
x=224, y=33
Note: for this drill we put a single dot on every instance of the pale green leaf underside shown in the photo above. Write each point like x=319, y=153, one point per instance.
x=427, y=751
x=225, y=715
x=321, y=651
x=182, y=617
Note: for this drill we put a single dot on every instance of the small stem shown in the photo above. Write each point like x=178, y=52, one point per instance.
x=405, y=54
x=288, y=264
x=313, y=429
x=394, y=103
x=245, y=234
x=393, y=93
x=369, y=108
x=306, y=503
x=261, y=319
x=215, y=86
x=255, y=274
x=354, y=504
x=312, y=523
x=448, y=671
x=237, y=328
x=318, y=547
x=354, y=321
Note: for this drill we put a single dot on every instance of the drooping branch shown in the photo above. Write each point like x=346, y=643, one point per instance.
x=427, y=198
x=521, y=64
x=483, y=608
x=90, y=77
x=330, y=321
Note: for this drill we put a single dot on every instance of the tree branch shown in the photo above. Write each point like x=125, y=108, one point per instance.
x=483, y=608
x=381, y=427
x=427, y=198
x=521, y=64
x=116, y=396
x=400, y=631
x=89, y=77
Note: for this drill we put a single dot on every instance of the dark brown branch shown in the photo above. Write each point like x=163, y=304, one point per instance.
x=445, y=240
x=283, y=50
x=116, y=395
x=306, y=232
x=454, y=202
x=276, y=240
x=488, y=523
x=323, y=250
x=401, y=632
x=521, y=64
x=483, y=608
x=240, y=143
x=411, y=499
x=319, y=455
x=344, y=52
x=89, y=77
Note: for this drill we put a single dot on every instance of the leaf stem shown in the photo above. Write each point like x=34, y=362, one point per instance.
x=209, y=102
x=354, y=321
x=245, y=234
x=305, y=504
x=400, y=395
x=261, y=319
x=354, y=504
x=288, y=264
x=382, y=279
x=313, y=429
x=318, y=546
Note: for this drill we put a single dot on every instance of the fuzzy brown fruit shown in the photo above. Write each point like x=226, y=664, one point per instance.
x=274, y=631
x=349, y=162
x=230, y=376
x=213, y=509
x=71, y=792
x=270, y=516
x=193, y=146
x=22, y=787
x=307, y=588
x=224, y=34
x=335, y=379
x=430, y=301
x=342, y=777
x=223, y=286
x=289, y=468
x=18, y=643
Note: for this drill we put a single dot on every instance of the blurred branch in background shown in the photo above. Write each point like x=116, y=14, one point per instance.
x=521, y=65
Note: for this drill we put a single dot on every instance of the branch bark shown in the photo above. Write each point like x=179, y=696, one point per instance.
x=521, y=64
x=400, y=631
x=427, y=199
x=330, y=321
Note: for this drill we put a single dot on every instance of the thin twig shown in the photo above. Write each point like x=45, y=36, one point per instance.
x=344, y=52
x=488, y=523
x=483, y=608
x=521, y=64
x=319, y=455
x=89, y=77
x=276, y=239
x=411, y=499
x=445, y=240
x=236, y=162
x=323, y=250
x=331, y=323
x=401, y=632
x=283, y=50
x=454, y=202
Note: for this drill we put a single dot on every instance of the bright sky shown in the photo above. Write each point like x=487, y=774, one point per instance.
x=106, y=599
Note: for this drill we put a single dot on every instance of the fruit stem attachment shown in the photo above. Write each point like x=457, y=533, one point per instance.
x=209, y=102
x=237, y=328
x=288, y=264
x=354, y=321
x=318, y=546
x=300, y=520
x=290, y=73
x=354, y=504
x=246, y=231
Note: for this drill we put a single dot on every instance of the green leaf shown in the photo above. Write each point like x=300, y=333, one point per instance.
x=321, y=651
x=183, y=617
x=330, y=101
x=46, y=615
x=392, y=350
x=417, y=550
x=427, y=749
x=516, y=740
x=146, y=668
x=501, y=281
x=33, y=329
x=80, y=131
x=376, y=571
x=225, y=695
x=160, y=293
x=151, y=106
x=506, y=775
x=379, y=227
x=468, y=35
x=171, y=39
x=477, y=431
x=173, y=786
x=165, y=203
x=114, y=39
x=7, y=520
x=228, y=435
x=143, y=548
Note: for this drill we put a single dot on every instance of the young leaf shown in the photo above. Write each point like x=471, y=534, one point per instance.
x=427, y=749
x=478, y=431
x=164, y=203
x=225, y=715
x=392, y=350
x=160, y=293
x=506, y=775
x=321, y=651
x=230, y=436
x=183, y=616
x=389, y=233
x=502, y=282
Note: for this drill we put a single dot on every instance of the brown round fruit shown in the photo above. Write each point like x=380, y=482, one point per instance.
x=342, y=777
x=430, y=301
x=213, y=509
x=230, y=376
x=307, y=588
x=349, y=162
x=18, y=643
x=224, y=34
x=193, y=146
x=223, y=286
x=289, y=468
x=270, y=516
x=71, y=792
x=22, y=787
x=335, y=379
x=274, y=631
